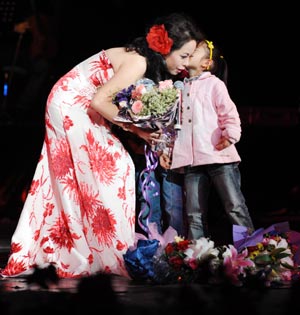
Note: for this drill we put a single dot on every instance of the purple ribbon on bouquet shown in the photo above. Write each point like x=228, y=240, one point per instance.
x=144, y=182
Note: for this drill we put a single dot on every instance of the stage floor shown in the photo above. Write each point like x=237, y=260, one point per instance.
x=123, y=296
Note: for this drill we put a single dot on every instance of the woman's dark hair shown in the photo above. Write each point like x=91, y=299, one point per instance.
x=181, y=29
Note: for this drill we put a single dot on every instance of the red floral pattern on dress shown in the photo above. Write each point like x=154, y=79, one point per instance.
x=60, y=233
x=14, y=267
x=120, y=245
x=79, y=214
x=15, y=247
x=61, y=159
x=102, y=162
x=33, y=187
x=90, y=201
x=68, y=123
x=104, y=226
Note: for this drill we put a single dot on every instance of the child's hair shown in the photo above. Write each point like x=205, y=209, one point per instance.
x=219, y=65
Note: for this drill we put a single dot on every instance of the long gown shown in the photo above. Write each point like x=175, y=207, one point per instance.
x=79, y=214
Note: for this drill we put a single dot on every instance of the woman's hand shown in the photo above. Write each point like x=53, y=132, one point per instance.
x=150, y=136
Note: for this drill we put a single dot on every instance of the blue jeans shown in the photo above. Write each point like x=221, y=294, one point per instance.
x=160, y=198
x=226, y=179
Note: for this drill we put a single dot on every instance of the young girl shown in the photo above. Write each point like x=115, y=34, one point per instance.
x=205, y=147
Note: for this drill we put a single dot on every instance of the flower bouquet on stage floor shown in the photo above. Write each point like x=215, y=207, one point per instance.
x=156, y=107
x=266, y=258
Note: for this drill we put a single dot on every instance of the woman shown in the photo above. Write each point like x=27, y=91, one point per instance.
x=80, y=211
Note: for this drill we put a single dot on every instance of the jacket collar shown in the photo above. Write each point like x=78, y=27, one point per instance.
x=203, y=75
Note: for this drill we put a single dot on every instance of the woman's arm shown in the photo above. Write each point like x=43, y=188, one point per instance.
x=131, y=69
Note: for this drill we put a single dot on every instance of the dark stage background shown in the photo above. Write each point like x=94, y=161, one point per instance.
x=260, y=44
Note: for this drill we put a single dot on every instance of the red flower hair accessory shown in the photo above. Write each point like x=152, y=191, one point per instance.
x=158, y=39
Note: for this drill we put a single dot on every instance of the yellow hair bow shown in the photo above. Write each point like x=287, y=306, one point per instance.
x=210, y=45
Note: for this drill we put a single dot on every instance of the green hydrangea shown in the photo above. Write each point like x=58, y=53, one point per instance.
x=158, y=102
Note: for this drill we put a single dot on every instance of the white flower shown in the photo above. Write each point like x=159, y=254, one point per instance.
x=201, y=250
x=282, y=243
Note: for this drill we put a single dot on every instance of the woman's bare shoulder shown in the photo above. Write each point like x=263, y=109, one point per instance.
x=118, y=56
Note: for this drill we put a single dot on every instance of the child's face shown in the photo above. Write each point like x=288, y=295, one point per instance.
x=199, y=60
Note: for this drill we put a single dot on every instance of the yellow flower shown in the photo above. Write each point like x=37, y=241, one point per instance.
x=178, y=239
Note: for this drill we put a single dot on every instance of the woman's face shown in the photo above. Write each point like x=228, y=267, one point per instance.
x=178, y=60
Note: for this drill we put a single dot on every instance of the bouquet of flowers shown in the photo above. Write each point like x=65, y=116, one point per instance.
x=186, y=261
x=151, y=106
x=272, y=258
x=271, y=261
x=148, y=105
x=275, y=254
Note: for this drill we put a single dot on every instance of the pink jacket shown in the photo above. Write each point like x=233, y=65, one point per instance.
x=207, y=114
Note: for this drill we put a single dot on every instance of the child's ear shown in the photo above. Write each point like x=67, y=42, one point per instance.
x=208, y=63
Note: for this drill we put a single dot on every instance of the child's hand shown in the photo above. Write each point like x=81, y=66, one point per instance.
x=165, y=161
x=223, y=144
